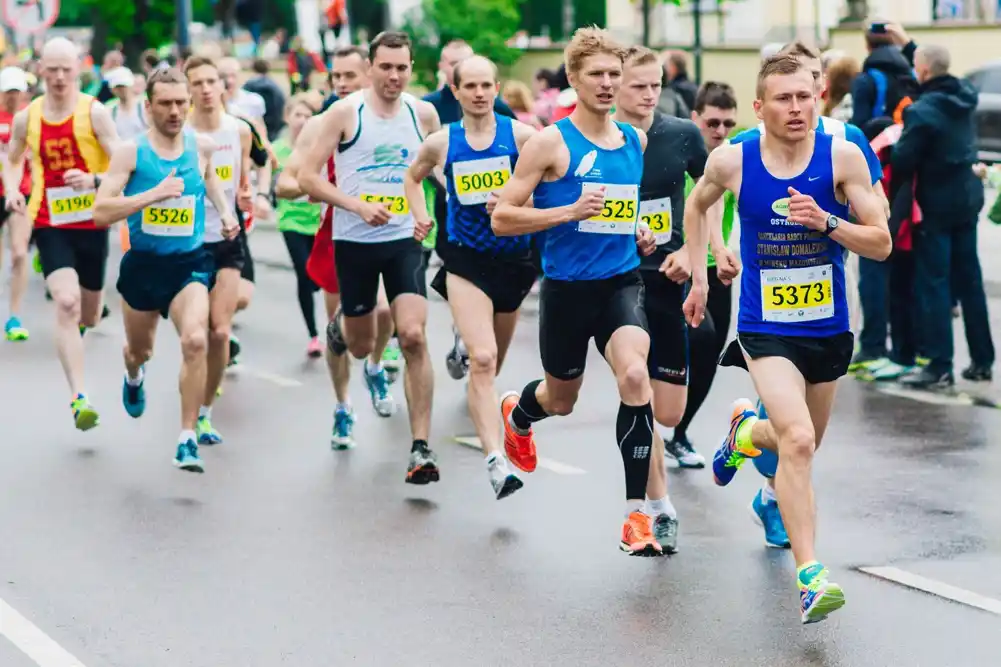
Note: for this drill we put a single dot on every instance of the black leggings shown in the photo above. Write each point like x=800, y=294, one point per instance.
x=299, y=246
x=705, y=344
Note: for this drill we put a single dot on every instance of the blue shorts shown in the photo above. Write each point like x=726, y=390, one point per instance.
x=148, y=282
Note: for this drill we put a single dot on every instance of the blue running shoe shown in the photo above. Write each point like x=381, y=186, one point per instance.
x=134, y=398
x=731, y=455
x=344, y=423
x=818, y=598
x=14, y=331
x=187, y=457
x=378, y=389
x=207, y=435
x=767, y=515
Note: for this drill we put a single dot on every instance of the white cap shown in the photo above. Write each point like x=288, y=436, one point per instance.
x=13, y=78
x=120, y=76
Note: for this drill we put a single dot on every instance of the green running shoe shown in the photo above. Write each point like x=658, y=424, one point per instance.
x=84, y=414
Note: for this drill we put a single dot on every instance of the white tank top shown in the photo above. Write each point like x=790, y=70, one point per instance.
x=226, y=161
x=371, y=166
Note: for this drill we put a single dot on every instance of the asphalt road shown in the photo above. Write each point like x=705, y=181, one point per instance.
x=286, y=553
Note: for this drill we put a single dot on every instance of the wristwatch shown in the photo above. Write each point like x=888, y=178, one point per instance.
x=832, y=224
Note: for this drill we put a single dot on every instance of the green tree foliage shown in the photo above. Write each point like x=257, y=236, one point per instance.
x=486, y=24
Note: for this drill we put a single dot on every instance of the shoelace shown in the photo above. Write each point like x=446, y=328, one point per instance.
x=641, y=528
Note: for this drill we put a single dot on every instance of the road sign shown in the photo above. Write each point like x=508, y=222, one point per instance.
x=30, y=16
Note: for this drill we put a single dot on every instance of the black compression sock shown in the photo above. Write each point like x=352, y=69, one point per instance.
x=419, y=445
x=634, y=432
x=528, y=410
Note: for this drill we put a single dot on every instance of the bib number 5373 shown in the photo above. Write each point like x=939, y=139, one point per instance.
x=797, y=295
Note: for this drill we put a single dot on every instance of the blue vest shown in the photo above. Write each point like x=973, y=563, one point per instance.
x=793, y=280
x=176, y=225
x=470, y=177
x=603, y=246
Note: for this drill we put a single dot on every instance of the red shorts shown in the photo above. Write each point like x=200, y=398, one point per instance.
x=320, y=265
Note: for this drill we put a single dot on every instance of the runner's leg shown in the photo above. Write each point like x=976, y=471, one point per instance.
x=64, y=286
x=19, y=234
x=222, y=306
x=410, y=318
x=189, y=312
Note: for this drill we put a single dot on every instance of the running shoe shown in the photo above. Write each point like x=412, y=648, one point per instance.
x=889, y=372
x=818, y=597
x=206, y=434
x=105, y=312
x=378, y=390
x=766, y=514
x=457, y=359
x=134, y=398
x=315, y=348
x=392, y=360
x=925, y=378
x=84, y=414
x=864, y=362
x=972, y=373
x=423, y=467
x=187, y=458
x=520, y=449
x=83, y=329
x=665, y=532
x=502, y=478
x=234, y=350
x=731, y=455
x=344, y=423
x=36, y=264
x=14, y=331
x=680, y=449
x=637, y=536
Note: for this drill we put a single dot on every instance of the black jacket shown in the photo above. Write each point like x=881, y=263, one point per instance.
x=896, y=65
x=274, y=103
x=686, y=89
x=938, y=146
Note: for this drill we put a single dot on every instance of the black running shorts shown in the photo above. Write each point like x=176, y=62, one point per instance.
x=818, y=359
x=83, y=250
x=668, y=361
x=506, y=281
x=399, y=263
x=148, y=282
x=227, y=254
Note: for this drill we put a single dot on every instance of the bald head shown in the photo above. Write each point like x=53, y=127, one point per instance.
x=931, y=61
x=60, y=47
x=60, y=67
x=473, y=67
x=453, y=52
x=475, y=86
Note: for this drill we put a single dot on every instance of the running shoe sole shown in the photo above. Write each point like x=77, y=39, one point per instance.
x=648, y=551
x=190, y=466
x=87, y=419
x=514, y=461
x=425, y=474
x=511, y=484
x=341, y=446
x=826, y=603
x=757, y=520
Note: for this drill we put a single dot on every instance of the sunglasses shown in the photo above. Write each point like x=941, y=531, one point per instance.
x=713, y=123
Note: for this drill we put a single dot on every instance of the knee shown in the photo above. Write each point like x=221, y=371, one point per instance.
x=18, y=255
x=67, y=305
x=219, y=334
x=194, y=343
x=412, y=339
x=139, y=357
x=634, y=381
x=483, y=363
x=798, y=444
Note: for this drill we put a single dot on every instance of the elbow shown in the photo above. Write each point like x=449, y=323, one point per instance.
x=308, y=183
x=885, y=247
x=499, y=223
x=101, y=217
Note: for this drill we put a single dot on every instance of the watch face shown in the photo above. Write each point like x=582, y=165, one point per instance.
x=832, y=222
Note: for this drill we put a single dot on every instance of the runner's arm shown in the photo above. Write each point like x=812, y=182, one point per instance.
x=104, y=130
x=869, y=238
x=522, y=133
x=330, y=129
x=721, y=165
x=110, y=205
x=287, y=186
x=16, y=149
x=214, y=190
x=513, y=216
x=431, y=156
x=431, y=123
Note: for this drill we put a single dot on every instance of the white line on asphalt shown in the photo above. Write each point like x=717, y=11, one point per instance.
x=279, y=380
x=473, y=442
x=925, y=396
x=942, y=590
x=34, y=643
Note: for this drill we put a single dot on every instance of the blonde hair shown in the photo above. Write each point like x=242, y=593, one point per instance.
x=587, y=42
x=637, y=56
x=776, y=65
x=840, y=75
x=517, y=95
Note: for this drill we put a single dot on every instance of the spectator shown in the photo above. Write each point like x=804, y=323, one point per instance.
x=938, y=147
x=112, y=61
x=566, y=101
x=149, y=61
x=676, y=73
x=271, y=93
x=443, y=100
x=546, y=91
x=837, y=96
x=886, y=84
x=301, y=65
x=126, y=107
x=239, y=101
x=518, y=96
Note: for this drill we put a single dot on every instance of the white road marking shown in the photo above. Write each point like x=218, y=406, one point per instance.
x=473, y=442
x=942, y=590
x=34, y=643
x=932, y=398
x=279, y=380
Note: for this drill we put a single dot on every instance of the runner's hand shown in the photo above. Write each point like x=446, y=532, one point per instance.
x=695, y=303
x=262, y=208
x=492, y=200
x=422, y=228
x=374, y=213
x=727, y=265
x=803, y=210
x=78, y=180
x=980, y=169
x=170, y=187
x=589, y=205
x=230, y=227
x=645, y=241
x=15, y=203
x=245, y=199
x=678, y=266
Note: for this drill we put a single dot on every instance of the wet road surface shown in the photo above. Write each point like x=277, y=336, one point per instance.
x=286, y=553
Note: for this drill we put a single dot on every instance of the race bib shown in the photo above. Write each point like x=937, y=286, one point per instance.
x=656, y=213
x=67, y=205
x=390, y=194
x=224, y=170
x=619, y=214
x=797, y=295
x=476, y=179
x=171, y=217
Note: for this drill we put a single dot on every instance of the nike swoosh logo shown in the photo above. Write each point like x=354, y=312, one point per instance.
x=813, y=179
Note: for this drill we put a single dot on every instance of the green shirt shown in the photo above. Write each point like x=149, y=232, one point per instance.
x=729, y=208
x=299, y=215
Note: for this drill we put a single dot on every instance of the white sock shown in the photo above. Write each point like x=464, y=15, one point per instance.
x=373, y=369
x=346, y=406
x=767, y=493
x=185, y=436
x=634, y=506
x=137, y=380
x=662, y=506
x=491, y=457
x=205, y=411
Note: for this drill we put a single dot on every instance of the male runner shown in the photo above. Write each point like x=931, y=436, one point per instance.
x=231, y=161
x=13, y=86
x=763, y=507
x=674, y=150
x=70, y=137
x=159, y=182
x=584, y=173
x=377, y=133
x=484, y=278
x=794, y=187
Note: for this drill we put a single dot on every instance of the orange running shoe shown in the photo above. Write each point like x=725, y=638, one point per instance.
x=520, y=449
x=637, y=536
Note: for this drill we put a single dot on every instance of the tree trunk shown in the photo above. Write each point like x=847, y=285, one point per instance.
x=99, y=39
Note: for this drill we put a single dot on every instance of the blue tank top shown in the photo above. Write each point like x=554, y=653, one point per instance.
x=605, y=245
x=175, y=225
x=470, y=176
x=793, y=280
